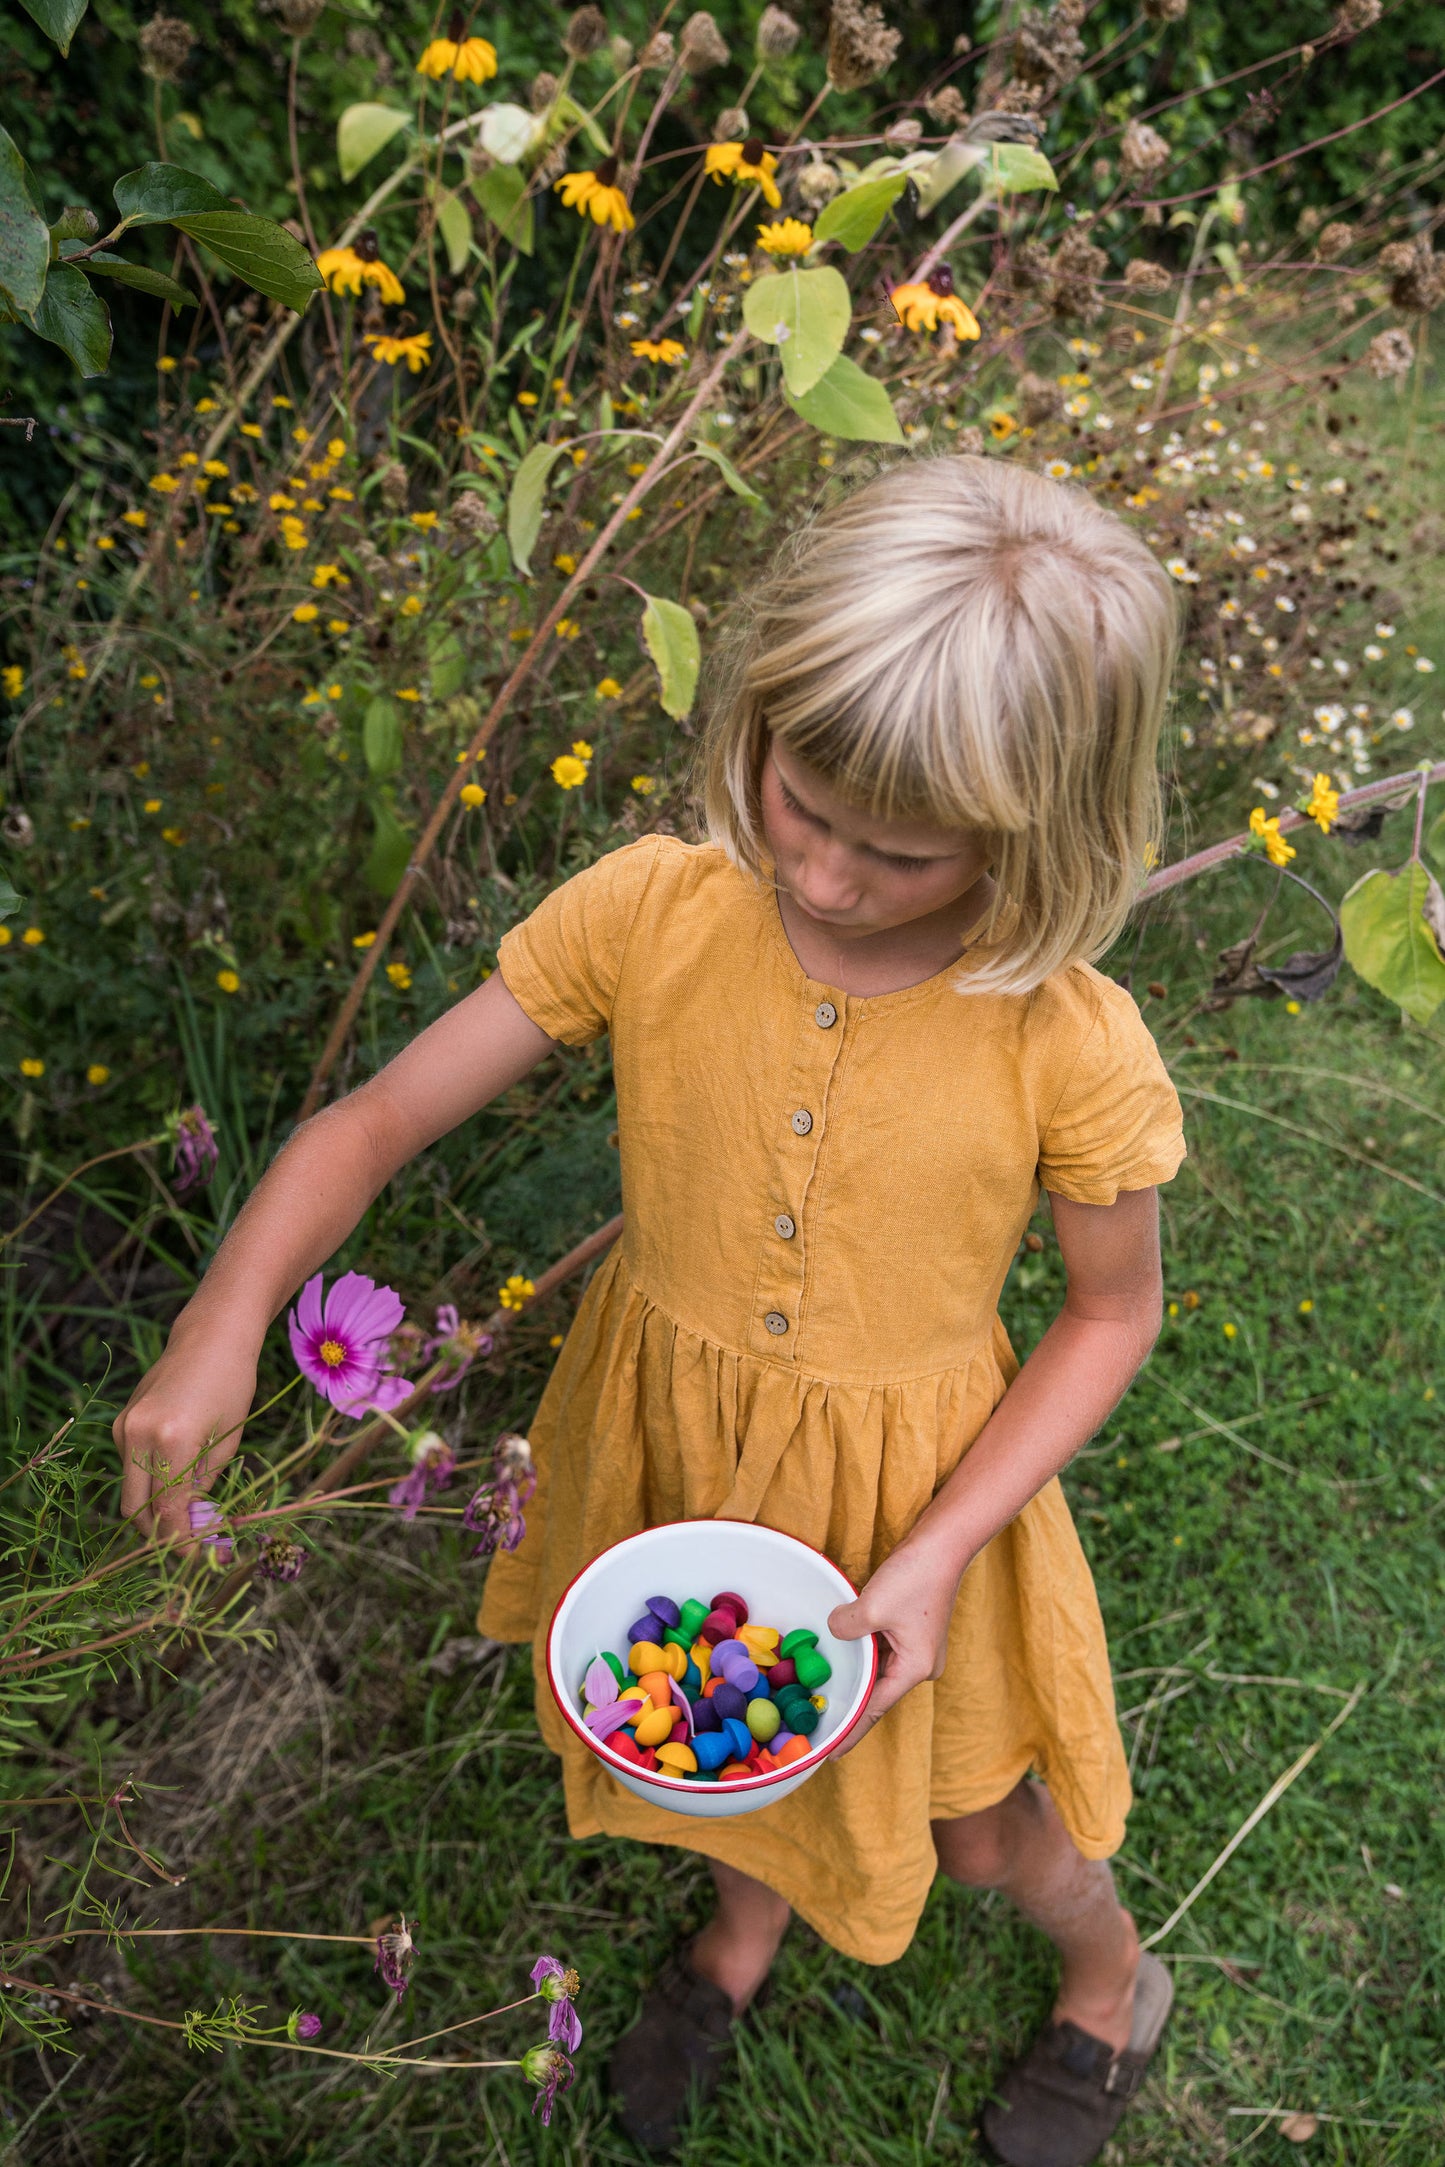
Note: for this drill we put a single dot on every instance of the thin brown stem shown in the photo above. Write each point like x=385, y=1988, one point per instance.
x=122, y=1151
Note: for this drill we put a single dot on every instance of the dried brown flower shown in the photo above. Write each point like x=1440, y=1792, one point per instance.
x=1028, y=270
x=1355, y=16
x=1040, y=398
x=1019, y=97
x=1143, y=151
x=969, y=441
x=1047, y=49
x=731, y=125
x=1416, y=273
x=860, y=44
x=947, y=106
x=1391, y=353
x=393, y=482
x=1166, y=11
x=1334, y=241
x=464, y=304
x=165, y=47
x=777, y=34
x=1145, y=277
x=544, y=89
x=586, y=33
x=898, y=133
x=702, y=46
x=470, y=516
x=818, y=183
x=659, y=51
x=298, y=16
x=1077, y=267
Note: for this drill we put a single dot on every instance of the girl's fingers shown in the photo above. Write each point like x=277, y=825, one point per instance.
x=849, y=1621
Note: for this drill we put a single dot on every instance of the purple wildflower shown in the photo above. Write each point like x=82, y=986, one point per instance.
x=206, y=1519
x=302, y=2024
x=196, y=1150
x=394, y=1954
x=432, y=1461
x=281, y=1559
x=558, y=1986
x=341, y=1343
x=460, y=1343
x=494, y=1512
x=549, y=2069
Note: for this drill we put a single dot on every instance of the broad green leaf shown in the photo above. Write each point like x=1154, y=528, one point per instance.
x=264, y=254
x=381, y=736
x=729, y=472
x=853, y=217
x=390, y=847
x=1390, y=942
x=75, y=319
x=57, y=18
x=1014, y=168
x=508, y=132
x=448, y=666
x=945, y=170
x=524, y=505
x=454, y=224
x=502, y=193
x=139, y=276
x=805, y=314
x=848, y=402
x=671, y=639
x=10, y=899
x=154, y=195
x=362, y=131
x=75, y=223
x=1435, y=840
x=24, y=235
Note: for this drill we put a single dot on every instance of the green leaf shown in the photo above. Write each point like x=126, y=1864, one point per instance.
x=524, y=505
x=502, y=193
x=447, y=666
x=264, y=254
x=853, y=217
x=1228, y=255
x=362, y=131
x=75, y=319
x=381, y=736
x=847, y=402
x=10, y=899
x=139, y=276
x=454, y=224
x=155, y=195
x=1015, y=168
x=805, y=314
x=75, y=223
x=508, y=132
x=390, y=847
x=563, y=113
x=1435, y=839
x=695, y=311
x=1390, y=938
x=945, y=171
x=24, y=235
x=729, y=472
x=57, y=18
x=671, y=639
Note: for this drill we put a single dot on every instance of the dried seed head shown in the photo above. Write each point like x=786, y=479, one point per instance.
x=1166, y=11
x=1077, y=267
x=1047, y=49
x=464, y=304
x=1040, y=398
x=860, y=44
x=899, y=132
x=513, y=1454
x=394, y=484
x=1017, y=97
x=1028, y=270
x=1146, y=277
x=1335, y=240
x=702, y=46
x=1355, y=16
x=731, y=125
x=586, y=33
x=1417, y=275
x=1151, y=215
x=619, y=52
x=969, y=441
x=471, y=516
x=1390, y=354
x=1143, y=151
x=777, y=34
x=165, y=47
x=298, y=16
x=18, y=829
x=658, y=52
x=818, y=183
x=544, y=89
x=948, y=107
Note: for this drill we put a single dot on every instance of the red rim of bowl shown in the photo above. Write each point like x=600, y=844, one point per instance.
x=679, y=1783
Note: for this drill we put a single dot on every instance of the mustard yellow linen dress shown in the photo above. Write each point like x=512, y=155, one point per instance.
x=823, y=1195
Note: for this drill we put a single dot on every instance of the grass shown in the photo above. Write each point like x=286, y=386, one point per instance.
x=1263, y=1515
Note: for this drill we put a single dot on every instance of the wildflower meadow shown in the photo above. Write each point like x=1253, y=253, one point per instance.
x=398, y=408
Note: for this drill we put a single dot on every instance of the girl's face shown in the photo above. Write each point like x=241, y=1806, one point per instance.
x=851, y=871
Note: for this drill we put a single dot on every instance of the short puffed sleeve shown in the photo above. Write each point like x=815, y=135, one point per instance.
x=1116, y=1123
x=562, y=964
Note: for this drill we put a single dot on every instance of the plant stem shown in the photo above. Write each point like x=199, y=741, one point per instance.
x=122, y=1151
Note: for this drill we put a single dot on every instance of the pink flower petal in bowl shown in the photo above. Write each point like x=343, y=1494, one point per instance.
x=599, y=1685
x=684, y=1704
x=604, y=1721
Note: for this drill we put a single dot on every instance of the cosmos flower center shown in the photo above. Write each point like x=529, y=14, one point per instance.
x=332, y=1353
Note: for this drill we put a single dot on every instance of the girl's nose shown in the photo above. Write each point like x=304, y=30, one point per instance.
x=826, y=880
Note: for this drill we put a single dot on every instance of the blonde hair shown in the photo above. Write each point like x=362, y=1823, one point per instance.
x=963, y=642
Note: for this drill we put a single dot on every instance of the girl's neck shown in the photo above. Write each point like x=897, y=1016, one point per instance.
x=888, y=961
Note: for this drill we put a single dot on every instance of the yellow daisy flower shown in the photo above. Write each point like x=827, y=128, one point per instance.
x=415, y=351
x=747, y=164
x=1324, y=804
x=1277, y=850
x=785, y=237
x=347, y=270
x=469, y=60
x=923, y=306
x=668, y=351
x=597, y=193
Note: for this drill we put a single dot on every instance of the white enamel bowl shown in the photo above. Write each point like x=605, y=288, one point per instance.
x=782, y=1581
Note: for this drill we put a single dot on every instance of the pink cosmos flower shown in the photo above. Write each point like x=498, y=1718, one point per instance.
x=460, y=1343
x=341, y=1343
x=432, y=1461
x=196, y=1150
x=557, y=1986
x=549, y=2069
x=302, y=2024
x=206, y=1521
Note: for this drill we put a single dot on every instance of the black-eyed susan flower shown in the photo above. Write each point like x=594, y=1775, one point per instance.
x=924, y=304
x=785, y=237
x=597, y=194
x=414, y=351
x=668, y=351
x=347, y=270
x=747, y=165
x=469, y=60
x=1001, y=425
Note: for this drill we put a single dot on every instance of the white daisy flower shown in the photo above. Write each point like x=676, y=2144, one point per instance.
x=1403, y=718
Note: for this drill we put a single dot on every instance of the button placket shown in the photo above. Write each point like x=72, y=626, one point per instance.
x=778, y=1297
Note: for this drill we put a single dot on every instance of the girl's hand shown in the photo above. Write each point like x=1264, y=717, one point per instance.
x=165, y=1430
x=908, y=1603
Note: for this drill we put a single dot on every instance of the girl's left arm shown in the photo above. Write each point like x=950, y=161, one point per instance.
x=1067, y=1388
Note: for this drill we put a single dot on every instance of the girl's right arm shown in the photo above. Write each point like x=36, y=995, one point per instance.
x=297, y=1216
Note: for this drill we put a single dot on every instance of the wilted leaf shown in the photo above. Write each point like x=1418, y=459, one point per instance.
x=850, y=403
x=74, y=318
x=362, y=131
x=24, y=236
x=671, y=639
x=1308, y=975
x=502, y=193
x=1363, y=823
x=381, y=736
x=1390, y=940
x=455, y=227
x=524, y=505
x=1014, y=168
x=57, y=18
x=805, y=314
x=853, y=217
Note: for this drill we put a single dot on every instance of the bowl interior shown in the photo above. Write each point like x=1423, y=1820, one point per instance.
x=783, y=1582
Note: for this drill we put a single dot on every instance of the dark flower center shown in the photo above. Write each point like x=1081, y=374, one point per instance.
x=456, y=26
x=605, y=174
x=753, y=151
x=941, y=280
x=367, y=246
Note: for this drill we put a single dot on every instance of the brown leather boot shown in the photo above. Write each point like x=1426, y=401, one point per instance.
x=675, y=2056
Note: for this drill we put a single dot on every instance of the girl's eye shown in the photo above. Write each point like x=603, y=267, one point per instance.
x=906, y=865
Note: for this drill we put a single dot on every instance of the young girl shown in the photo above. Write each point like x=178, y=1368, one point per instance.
x=853, y=1035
